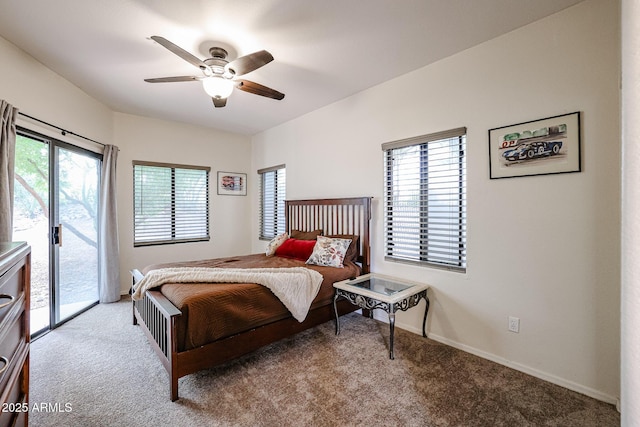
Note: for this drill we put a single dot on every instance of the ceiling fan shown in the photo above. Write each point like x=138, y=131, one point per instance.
x=218, y=74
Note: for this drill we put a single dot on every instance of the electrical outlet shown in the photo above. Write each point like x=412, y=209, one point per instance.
x=514, y=324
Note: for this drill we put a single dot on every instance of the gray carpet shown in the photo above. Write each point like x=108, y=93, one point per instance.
x=99, y=370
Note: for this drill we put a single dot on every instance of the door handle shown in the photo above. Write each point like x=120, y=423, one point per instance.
x=56, y=235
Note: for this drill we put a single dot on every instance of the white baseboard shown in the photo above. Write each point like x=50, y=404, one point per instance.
x=510, y=364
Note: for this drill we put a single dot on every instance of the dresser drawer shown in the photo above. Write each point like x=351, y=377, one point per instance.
x=11, y=348
x=14, y=407
x=11, y=288
x=15, y=275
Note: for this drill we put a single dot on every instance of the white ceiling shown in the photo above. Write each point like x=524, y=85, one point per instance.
x=325, y=50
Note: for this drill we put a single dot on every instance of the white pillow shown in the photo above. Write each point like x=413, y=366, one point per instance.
x=329, y=252
x=275, y=244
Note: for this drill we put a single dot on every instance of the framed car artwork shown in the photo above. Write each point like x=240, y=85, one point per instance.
x=540, y=147
x=232, y=183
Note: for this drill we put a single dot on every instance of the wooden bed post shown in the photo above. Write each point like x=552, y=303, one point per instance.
x=136, y=276
x=174, y=373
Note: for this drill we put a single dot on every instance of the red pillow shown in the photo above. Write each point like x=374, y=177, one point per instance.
x=296, y=249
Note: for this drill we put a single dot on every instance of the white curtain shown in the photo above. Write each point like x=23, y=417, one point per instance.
x=630, y=296
x=8, y=114
x=109, y=242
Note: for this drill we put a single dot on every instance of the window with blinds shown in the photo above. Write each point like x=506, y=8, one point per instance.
x=171, y=203
x=273, y=184
x=425, y=200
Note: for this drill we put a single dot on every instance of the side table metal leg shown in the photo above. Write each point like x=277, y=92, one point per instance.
x=335, y=310
x=424, y=321
x=392, y=322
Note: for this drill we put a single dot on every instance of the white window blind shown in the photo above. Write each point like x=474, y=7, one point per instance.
x=171, y=203
x=425, y=200
x=272, y=196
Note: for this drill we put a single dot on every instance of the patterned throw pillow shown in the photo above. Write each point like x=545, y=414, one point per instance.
x=329, y=252
x=275, y=244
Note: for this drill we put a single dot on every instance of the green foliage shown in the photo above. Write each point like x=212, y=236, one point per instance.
x=32, y=166
x=78, y=177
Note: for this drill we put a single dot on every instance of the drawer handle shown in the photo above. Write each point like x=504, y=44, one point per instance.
x=11, y=300
x=6, y=364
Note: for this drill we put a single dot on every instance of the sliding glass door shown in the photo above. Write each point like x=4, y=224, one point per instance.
x=31, y=220
x=75, y=232
x=56, y=212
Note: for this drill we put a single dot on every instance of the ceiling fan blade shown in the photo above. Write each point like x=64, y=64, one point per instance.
x=258, y=89
x=246, y=64
x=180, y=52
x=174, y=79
x=219, y=102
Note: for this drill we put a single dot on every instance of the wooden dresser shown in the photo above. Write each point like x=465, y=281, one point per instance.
x=15, y=276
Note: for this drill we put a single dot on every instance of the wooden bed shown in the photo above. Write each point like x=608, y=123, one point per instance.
x=159, y=317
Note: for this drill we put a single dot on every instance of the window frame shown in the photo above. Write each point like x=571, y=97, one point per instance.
x=452, y=250
x=173, y=219
x=277, y=199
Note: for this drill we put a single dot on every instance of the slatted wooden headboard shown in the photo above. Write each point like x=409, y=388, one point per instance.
x=333, y=216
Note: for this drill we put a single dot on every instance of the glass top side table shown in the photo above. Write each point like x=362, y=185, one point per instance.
x=374, y=290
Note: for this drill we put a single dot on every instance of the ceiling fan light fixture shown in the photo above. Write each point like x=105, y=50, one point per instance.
x=217, y=87
x=219, y=75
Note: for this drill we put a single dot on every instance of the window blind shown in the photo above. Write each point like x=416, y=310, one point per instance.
x=272, y=197
x=171, y=203
x=425, y=200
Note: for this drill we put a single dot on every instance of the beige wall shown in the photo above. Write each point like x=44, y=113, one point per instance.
x=161, y=141
x=544, y=249
x=39, y=92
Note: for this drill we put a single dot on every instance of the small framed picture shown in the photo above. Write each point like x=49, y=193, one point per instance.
x=232, y=183
x=540, y=147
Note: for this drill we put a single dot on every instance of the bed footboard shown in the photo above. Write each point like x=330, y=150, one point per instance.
x=158, y=317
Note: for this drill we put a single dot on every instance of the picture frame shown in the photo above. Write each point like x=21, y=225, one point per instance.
x=539, y=147
x=232, y=183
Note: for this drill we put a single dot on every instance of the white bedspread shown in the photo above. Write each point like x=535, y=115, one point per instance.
x=295, y=287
